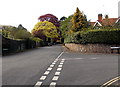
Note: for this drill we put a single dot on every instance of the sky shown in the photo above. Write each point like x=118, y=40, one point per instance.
x=26, y=12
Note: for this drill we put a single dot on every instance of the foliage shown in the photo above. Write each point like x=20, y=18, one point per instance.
x=15, y=33
x=101, y=36
x=22, y=34
x=36, y=39
x=51, y=18
x=63, y=18
x=72, y=38
x=45, y=29
x=66, y=26
x=79, y=21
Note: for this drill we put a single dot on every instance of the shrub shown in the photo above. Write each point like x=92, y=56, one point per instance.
x=37, y=40
x=102, y=36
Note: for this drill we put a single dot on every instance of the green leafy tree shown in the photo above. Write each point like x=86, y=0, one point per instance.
x=79, y=20
x=15, y=33
x=63, y=18
x=45, y=29
x=22, y=34
x=66, y=26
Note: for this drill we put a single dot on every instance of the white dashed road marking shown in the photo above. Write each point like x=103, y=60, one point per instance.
x=43, y=77
x=57, y=73
x=61, y=63
x=51, y=65
x=60, y=66
x=47, y=72
x=59, y=69
x=53, y=84
x=49, y=69
x=55, y=78
x=38, y=84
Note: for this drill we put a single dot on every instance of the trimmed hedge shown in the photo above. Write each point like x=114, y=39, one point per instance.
x=11, y=46
x=101, y=36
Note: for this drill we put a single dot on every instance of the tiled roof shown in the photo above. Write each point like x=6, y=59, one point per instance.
x=108, y=22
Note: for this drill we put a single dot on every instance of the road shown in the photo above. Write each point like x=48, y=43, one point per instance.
x=48, y=66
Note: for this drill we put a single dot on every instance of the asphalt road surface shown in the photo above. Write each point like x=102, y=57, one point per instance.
x=52, y=67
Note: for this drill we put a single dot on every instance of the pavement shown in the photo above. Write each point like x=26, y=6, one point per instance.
x=53, y=67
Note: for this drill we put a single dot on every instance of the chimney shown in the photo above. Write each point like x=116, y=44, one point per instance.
x=106, y=16
x=99, y=17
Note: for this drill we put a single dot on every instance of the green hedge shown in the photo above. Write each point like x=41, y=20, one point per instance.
x=101, y=36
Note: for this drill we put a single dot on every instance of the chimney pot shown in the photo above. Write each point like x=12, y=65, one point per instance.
x=100, y=17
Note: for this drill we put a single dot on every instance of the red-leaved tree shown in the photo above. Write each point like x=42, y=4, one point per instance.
x=51, y=18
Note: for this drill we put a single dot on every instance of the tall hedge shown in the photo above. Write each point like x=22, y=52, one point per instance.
x=101, y=36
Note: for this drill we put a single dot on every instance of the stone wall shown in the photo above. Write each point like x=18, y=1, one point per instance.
x=89, y=48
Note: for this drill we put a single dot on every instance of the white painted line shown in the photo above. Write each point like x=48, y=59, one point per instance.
x=61, y=63
x=60, y=55
x=60, y=66
x=78, y=58
x=43, y=78
x=58, y=69
x=57, y=73
x=93, y=58
x=51, y=65
x=49, y=69
x=63, y=59
x=46, y=73
x=55, y=78
x=52, y=84
x=54, y=61
x=38, y=84
x=74, y=58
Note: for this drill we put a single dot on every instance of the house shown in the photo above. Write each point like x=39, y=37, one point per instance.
x=104, y=22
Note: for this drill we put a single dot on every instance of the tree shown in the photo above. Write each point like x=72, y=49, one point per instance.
x=63, y=18
x=45, y=29
x=51, y=18
x=66, y=26
x=78, y=20
x=21, y=27
x=15, y=33
x=22, y=34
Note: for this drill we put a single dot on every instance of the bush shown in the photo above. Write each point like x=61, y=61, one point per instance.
x=102, y=36
x=72, y=38
x=37, y=40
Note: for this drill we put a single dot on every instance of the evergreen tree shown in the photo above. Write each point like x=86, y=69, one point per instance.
x=78, y=20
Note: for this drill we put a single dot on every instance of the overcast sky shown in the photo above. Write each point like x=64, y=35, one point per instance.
x=26, y=12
